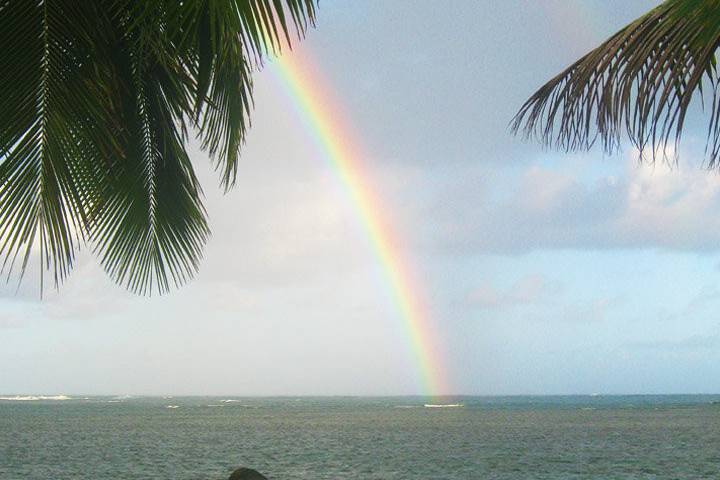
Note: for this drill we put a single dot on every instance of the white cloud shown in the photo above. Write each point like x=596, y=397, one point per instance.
x=546, y=208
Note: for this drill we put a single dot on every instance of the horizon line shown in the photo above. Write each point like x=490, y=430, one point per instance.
x=493, y=395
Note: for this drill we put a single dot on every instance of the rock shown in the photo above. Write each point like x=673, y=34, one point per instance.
x=243, y=473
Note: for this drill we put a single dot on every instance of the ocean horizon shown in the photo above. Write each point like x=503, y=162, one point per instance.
x=341, y=437
x=64, y=396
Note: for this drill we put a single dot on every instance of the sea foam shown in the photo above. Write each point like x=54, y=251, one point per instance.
x=30, y=398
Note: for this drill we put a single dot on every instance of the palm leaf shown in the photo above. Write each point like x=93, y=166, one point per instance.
x=48, y=157
x=152, y=226
x=97, y=101
x=639, y=82
x=224, y=64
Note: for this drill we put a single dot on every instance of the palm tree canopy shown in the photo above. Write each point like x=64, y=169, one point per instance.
x=639, y=82
x=98, y=99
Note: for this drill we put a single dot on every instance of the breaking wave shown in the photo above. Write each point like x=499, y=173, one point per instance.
x=30, y=398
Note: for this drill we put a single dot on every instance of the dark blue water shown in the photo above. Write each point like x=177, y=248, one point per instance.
x=619, y=437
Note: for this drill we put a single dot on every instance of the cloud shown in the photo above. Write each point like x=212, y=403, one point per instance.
x=530, y=289
x=551, y=208
x=10, y=319
x=592, y=311
x=686, y=344
x=86, y=294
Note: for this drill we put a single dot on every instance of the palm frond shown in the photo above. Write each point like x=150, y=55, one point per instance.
x=221, y=42
x=48, y=159
x=639, y=82
x=224, y=98
x=152, y=226
x=98, y=98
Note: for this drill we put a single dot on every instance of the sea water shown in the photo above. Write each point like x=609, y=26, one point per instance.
x=593, y=437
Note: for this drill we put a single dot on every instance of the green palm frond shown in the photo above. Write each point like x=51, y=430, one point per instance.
x=225, y=62
x=639, y=82
x=98, y=98
x=152, y=227
x=50, y=161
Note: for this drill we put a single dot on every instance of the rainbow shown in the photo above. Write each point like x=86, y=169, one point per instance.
x=311, y=97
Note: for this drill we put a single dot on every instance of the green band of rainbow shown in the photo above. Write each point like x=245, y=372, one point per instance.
x=311, y=96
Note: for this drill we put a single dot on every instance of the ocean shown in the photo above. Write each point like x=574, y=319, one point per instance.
x=513, y=438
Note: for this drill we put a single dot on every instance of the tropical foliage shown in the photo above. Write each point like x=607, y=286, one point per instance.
x=98, y=101
x=640, y=82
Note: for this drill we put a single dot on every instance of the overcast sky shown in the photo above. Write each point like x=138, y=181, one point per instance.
x=546, y=273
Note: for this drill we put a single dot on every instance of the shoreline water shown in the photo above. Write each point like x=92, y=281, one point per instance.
x=388, y=438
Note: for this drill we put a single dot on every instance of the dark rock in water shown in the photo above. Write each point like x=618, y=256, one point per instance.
x=243, y=473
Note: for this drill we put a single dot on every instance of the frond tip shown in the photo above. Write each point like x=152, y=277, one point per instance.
x=639, y=82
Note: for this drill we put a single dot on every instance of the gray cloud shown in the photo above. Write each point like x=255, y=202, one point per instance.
x=552, y=209
x=12, y=319
x=528, y=290
x=592, y=311
x=690, y=343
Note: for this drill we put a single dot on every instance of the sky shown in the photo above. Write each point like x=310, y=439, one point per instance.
x=543, y=272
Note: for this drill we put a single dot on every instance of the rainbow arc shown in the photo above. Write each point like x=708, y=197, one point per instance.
x=321, y=114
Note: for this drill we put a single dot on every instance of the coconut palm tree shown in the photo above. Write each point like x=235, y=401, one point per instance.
x=98, y=99
x=639, y=82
